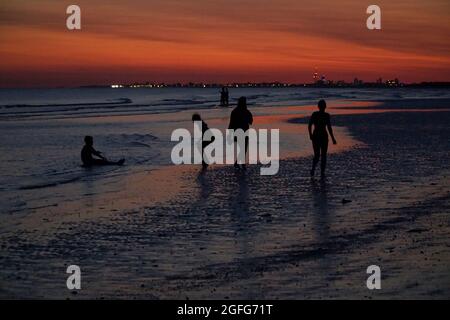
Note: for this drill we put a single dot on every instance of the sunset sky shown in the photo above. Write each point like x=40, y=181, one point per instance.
x=221, y=41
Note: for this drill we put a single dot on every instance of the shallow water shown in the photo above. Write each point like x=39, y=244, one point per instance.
x=42, y=131
x=43, y=134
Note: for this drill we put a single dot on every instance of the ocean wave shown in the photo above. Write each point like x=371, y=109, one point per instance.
x=174, y=102
x=49, y=184
x=101, y=109
x=62, y=178
x=83, y=104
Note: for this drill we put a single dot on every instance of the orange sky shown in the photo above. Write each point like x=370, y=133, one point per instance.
x=221, y=40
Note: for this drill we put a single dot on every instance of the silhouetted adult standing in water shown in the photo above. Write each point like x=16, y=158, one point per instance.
x=241, y=118
x=196, y=117
x=319, y=137
x=88, y=152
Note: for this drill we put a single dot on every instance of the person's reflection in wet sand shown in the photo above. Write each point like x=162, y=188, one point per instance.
x=321, y=222
x=239, y=219
x=205, y=185
x=241, y=223
x=88, y=193
x=240, y=204
x=320, y=208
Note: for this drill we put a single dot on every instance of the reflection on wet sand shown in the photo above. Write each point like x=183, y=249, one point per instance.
x=322, y=223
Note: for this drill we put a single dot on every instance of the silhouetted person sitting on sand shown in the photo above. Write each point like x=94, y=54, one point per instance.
x=196, y=117
x=241, y=118
x=321, y=121
x=88, y=152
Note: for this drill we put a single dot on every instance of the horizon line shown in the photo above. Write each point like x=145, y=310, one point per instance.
x=199, y=85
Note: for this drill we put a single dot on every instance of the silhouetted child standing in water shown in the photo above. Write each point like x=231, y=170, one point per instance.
x=196, y=117
x=88, y=152
x=319, y=137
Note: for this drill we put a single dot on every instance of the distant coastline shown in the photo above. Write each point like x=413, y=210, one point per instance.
x=199, y=85
x=320, y=84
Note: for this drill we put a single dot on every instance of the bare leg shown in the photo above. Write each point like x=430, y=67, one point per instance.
x=316, y=148
x=323, y=160
x=101, y=162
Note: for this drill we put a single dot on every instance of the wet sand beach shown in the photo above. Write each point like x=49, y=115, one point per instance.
x=176, y=232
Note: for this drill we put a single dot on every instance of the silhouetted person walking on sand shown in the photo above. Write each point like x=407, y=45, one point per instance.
x=196, y=117
x=88, y=152
x=241, y=118
x=321, y=121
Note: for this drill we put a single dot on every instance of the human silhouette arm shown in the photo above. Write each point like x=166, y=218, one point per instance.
x=250, y=118
x=330, y=130
x=98, y=154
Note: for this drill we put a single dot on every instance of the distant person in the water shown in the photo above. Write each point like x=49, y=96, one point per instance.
x=88, y=152
x=227, y=97
x=241, y=118
x=196, y=117
x=224, y=97
x=319, y=137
